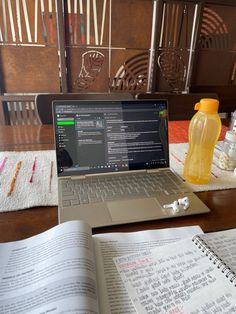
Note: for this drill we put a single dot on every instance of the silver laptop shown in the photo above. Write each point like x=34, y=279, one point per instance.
x=113, y=162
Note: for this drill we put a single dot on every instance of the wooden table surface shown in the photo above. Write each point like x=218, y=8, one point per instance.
x=28, y=222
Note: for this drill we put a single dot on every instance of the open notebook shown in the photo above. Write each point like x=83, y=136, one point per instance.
x=194, y=276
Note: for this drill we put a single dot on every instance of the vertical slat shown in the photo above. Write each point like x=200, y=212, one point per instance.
x=37, y=119
x=11, y=110
x=24, y=112
x=61, y=46
x=195, y=35
x=156, y=28
x=2, y=113
x=17, y=112
x=30, y=114
x=34, y=112
x=19, y=104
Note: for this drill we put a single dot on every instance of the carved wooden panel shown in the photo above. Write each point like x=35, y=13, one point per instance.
x=111, y=45
x=129, y=70
x=173, y=47
x=88, y=69
x=28, y=46
x=216, y=55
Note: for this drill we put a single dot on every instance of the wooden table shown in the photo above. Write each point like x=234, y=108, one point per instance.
x=25, y=223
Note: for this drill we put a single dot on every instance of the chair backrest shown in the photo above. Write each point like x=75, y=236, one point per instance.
x=19, y=110
x=44, y=101
x=180, y=106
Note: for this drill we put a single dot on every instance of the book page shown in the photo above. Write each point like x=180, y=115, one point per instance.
x=176, y=279
x=223, y=243
x=53, y=272
x=112, y=294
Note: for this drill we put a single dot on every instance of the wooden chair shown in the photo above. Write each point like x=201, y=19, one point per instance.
x=44, y=101
x=180, y=106
x=18, y=110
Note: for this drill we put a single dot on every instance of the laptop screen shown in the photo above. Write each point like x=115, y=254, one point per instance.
x=106, y=136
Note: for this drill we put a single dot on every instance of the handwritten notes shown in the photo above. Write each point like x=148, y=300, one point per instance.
x=176, y=279
x=224, y=245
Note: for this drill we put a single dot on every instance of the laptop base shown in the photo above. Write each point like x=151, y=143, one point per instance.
x=130, y=211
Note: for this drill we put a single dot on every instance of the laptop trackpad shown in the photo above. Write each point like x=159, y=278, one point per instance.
x=133, y=209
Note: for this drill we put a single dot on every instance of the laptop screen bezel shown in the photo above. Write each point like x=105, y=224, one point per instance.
x=106, y=102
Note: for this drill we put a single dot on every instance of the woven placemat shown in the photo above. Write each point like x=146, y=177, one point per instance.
x=41, y=192
x=219, y=179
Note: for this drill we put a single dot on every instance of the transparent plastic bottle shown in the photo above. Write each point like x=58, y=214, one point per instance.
x=227, y=157
x=233, y=121
x=204, y=131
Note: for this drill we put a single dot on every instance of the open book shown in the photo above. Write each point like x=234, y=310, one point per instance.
x=67, y=270
x=193, y=276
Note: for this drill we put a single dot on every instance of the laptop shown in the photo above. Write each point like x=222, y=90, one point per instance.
x=113, y=162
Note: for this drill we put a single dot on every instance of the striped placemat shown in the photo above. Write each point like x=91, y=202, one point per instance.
x=42, y=191
x=219, y=180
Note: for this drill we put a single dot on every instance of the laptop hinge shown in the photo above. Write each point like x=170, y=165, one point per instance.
x=155, y=170
x=78, y=178
x=106, y=174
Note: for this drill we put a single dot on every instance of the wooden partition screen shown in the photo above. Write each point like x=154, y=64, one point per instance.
x=28, y=51
x=107, y=45
x=82, y=46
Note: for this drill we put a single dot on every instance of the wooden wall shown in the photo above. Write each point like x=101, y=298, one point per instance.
x=108, y=43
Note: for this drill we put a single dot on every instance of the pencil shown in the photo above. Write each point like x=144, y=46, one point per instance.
x=50, y=178
x=32, y=171
x=12, y=184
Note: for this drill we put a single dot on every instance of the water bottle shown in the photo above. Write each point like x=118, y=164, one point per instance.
x=227, y=157
x=233, y=121
x=204, y=131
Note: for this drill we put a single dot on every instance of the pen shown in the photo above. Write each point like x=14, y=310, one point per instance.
x=50, y=178
x=12, y=184
x=33, y=171
x=3, y=164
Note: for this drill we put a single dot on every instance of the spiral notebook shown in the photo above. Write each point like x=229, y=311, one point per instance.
x=194, y=276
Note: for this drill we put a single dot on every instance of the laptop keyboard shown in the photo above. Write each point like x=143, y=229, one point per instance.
x=111, y=188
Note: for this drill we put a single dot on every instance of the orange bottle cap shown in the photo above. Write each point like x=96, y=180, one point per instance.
x=209, y=105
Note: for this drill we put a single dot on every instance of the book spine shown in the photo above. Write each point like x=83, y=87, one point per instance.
x=216, y=260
